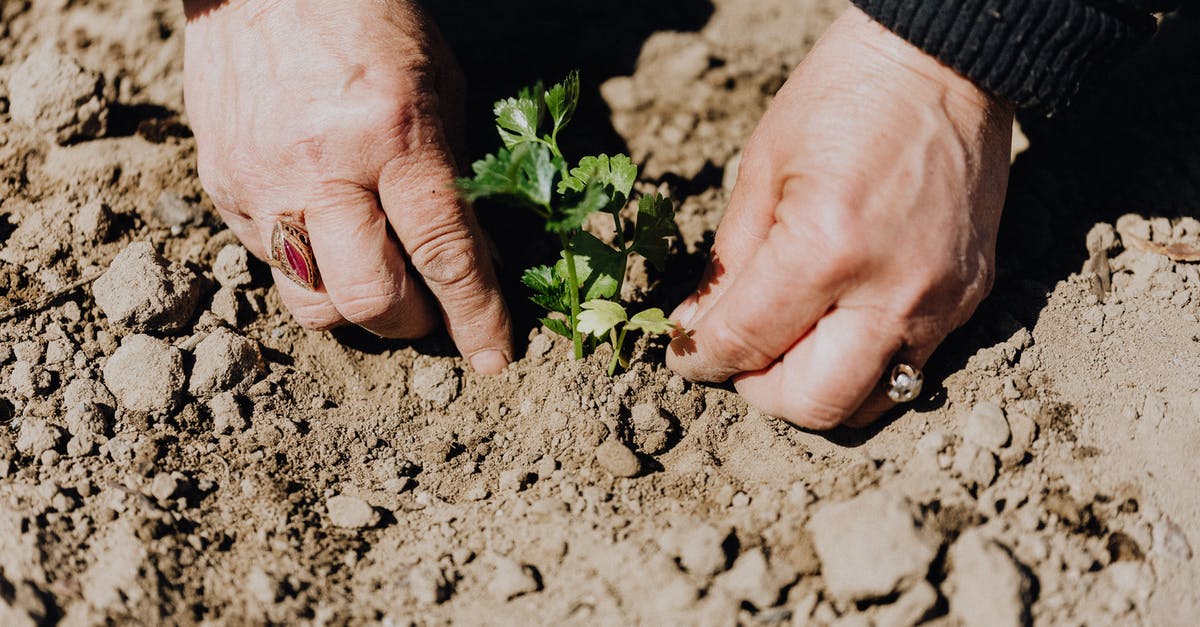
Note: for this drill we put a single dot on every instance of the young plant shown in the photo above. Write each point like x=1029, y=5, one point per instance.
x=531, y=172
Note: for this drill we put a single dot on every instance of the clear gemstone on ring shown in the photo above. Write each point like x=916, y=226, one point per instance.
x=904, y=383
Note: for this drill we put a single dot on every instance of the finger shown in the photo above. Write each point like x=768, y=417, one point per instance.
x=362, y=267
x=790, y=282
x=311, y=310
x=447, y=248
x=828, y=375
x=747, y=220
x=878, y=403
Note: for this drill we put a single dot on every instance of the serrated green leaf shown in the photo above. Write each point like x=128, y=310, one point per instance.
x=550, y=289
x=655, y=223
x=616, y=174
x=562, y=99
x=576, y=208
x=495, y=175
x=538, y=170
x=556, y=325
x=518, y=119
x=600, y=316
x=523, y=176
x=652, y=321
x=599, y=267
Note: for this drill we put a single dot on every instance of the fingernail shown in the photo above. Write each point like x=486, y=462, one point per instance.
x=489, y=362
x=686, y=310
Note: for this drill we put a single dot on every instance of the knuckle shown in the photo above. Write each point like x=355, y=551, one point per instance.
x=821, y=237
x=448, y=260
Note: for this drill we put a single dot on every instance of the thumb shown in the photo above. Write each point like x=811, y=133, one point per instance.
x=744, y=227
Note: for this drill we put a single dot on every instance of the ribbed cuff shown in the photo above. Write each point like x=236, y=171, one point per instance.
x=1035, y=53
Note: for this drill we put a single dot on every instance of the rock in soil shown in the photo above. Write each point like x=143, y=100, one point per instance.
x=51, y=93
x=227, y=414
x=145, y=374
x=436, y=381
x=232, y=267
x=511, y=579
x=910, y=608
x=29, y=380
x=37, y=436
x=987, y=588
x=975, y=465
x=987, y=427
x=224, y=361
x=94, y=222
x=751, y=579
x=428, y=585
x=141, y=292
x=617, y=459
x=176, y=212
x=83, y=390
x=651, y=429
x=700, y=547
x=349, y=512
x=871, y=546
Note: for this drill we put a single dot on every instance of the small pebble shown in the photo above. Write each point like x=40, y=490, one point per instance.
x=349, y=512
x=512, y=579
x=987, y=427
x=617, y=459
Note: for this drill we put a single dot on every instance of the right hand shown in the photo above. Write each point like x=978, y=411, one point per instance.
x=343, y=116
x=861, y=231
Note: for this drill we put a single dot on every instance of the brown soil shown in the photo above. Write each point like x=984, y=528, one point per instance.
x=196, y=457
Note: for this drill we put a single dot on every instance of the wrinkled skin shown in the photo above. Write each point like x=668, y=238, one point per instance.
x=345, y=115
x=860, y=233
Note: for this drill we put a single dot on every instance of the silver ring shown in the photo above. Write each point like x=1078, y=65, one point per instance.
x=905, y=383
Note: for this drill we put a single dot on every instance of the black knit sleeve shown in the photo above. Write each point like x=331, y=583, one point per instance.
x=1035, y=53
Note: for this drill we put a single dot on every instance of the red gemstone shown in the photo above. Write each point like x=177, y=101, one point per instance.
x=297, y=261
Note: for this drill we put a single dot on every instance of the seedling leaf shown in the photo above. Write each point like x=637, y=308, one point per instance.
x=600, y=316
x=562, y=99
x=558, y=326
x=576, y=210
x=655, y=223
x=652, y=321
x=523, y=176
x=518, y=119
x=549, y=288
x=616, y=174
x=601, y=269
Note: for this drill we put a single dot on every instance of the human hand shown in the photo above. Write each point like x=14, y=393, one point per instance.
x=861, y=231
x=343, y=115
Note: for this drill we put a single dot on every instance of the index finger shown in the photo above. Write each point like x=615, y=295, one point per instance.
x=447, y=248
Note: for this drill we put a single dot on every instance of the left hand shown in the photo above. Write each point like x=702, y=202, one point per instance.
x=861, y=231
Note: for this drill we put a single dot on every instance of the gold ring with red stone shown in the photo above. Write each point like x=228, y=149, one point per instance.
x=292, y=254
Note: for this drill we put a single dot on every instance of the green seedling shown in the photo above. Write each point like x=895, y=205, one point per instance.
x=531, y=172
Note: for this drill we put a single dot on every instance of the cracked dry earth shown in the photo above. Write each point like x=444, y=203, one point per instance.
x=174, y=449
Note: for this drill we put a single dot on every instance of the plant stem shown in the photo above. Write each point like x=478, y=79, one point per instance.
x=573, y=285
x=618, y=340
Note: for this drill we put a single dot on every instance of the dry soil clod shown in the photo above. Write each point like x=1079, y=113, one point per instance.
x=145, y=374
x=871, y=546
x=142, y=292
